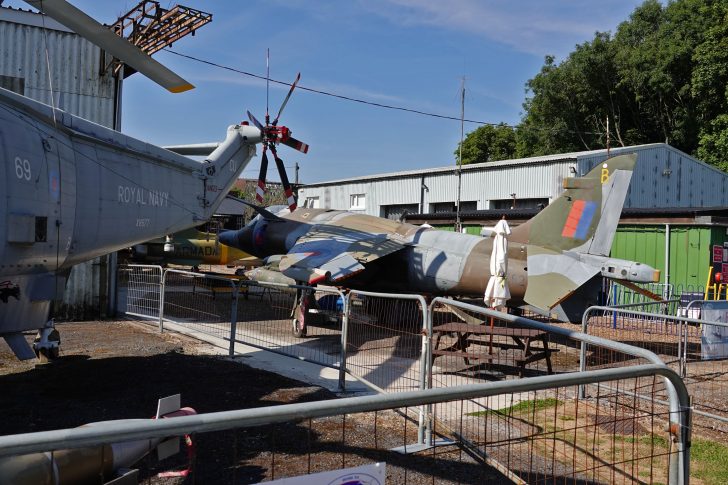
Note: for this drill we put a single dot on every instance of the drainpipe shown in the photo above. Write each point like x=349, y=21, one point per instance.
x=667, y=255
x=422, y=194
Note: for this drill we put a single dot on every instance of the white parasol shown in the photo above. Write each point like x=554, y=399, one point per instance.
x=497, y=293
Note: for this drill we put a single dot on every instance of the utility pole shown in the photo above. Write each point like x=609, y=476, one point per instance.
x=458, y=223
x=296, y=173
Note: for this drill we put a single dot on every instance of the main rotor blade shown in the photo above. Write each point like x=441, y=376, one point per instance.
x=267, y=215
x=288, y=96
x=255, y=122
x=260, y=189
x=296, y=144
x=290, y=198
x=82, y=24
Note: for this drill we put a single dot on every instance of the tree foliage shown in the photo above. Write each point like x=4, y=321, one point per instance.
x=488, y=143
x=662, y=77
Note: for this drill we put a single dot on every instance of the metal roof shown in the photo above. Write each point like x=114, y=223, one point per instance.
x=572, y=156
x=29, y=17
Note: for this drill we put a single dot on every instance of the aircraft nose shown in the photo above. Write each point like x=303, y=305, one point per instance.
x=229, y=238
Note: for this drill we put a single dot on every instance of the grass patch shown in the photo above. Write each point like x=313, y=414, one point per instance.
x=709, y=461
x=523, y=407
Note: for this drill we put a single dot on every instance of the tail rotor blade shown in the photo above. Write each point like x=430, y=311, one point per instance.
x=288, y=96
x=260, y=189
x=290, y=198
x=296, y=144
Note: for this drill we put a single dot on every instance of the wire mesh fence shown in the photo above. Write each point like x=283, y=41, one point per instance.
x=385, y=340
x=554, y=436
x=298, y=321
x=140, y=287
x=198, y=301
x=551, y=437
x=682, y=343
x=611, y=432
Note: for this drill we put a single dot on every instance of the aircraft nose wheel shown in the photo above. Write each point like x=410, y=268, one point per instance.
x=299, y=315
x=47, y=343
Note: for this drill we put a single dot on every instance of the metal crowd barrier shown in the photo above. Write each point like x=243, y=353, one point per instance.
x=396, y=343
x=385, y=340
x=143, y=285
x=469, y=342
x=586, y=435
x=265, y=320
x=679, y=341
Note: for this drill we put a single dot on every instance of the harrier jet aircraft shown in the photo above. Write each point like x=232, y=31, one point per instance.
x=74, y=190
x=551, y=257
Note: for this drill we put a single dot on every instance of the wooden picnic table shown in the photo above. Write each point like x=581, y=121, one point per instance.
x=467, y=334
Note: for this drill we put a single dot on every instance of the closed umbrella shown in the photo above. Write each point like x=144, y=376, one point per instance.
x=497, y=293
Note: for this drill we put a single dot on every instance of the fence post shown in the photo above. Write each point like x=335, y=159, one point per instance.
x=427, y=356
x=582, y=351
x=344, y=335
x=424, y=431
x=162, y=286
x=233, y=318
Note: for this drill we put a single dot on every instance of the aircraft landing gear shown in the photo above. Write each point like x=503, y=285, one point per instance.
x=300, y=312
x=47, y=342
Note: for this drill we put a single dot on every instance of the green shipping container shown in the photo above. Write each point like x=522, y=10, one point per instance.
x=691, y=251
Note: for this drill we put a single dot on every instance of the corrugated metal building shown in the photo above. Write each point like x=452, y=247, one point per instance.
x=76, y=66
x=664, y=177
x=80, y=87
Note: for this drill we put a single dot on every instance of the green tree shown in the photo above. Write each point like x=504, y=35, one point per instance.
x=661, y=78
x=488, y=143
x=710, y=88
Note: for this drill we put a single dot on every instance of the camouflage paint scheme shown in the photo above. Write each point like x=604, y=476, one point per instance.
x=550, y=257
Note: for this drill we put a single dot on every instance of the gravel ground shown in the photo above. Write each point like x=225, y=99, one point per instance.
x=117, y=370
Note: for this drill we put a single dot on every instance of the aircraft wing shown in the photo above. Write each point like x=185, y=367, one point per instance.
x=335, y=255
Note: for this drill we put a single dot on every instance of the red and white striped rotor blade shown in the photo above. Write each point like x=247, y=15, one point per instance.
x=260, y=188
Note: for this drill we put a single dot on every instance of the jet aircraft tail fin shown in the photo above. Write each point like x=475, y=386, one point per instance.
x=582, y=221
x=584, y=218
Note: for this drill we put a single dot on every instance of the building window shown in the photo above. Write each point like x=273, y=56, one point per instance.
x=465, y=206
x=15, y=84
x=398, y=212
x=468, y=206
x=312, y=203
x=535, y=203
x=439, y=207
x=358, y=201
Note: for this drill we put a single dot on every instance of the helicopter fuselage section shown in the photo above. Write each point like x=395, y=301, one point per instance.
x=74, y=190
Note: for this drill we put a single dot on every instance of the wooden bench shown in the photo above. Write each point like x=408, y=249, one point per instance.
x=523, y=351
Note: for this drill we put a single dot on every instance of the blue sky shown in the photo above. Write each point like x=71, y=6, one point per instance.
x=410, y=53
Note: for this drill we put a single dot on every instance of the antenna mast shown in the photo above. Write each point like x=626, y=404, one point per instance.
x=458, y=223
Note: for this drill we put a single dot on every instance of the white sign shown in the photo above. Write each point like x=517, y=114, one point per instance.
x=373, y=474
x=714, y=338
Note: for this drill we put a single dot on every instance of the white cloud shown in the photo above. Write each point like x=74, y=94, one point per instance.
x=534, y=26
